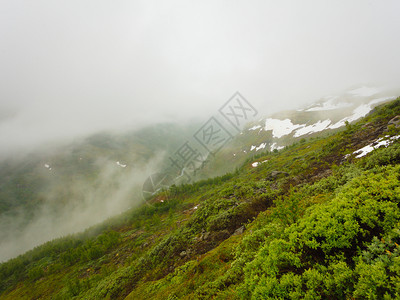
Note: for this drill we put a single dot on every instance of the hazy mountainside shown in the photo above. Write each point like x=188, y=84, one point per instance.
x=55, y=191
x=317, y=219
x=59, y=190
x=282, y=129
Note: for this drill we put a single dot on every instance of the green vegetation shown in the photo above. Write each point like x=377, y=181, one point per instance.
x=309, y=222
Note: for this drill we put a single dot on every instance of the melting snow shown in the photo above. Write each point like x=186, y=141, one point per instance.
x=275, y=146
x=121, y=165
x=375, y=145
x=255, y=164
x=262, y=146
x=255, y=127
x=280, y=127
x=284, y=127
x=359, y=112
x=364, y=91
x=329, y=105
x=379, y=100
x=316, y=127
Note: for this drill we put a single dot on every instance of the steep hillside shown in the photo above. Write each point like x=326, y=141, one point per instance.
x=282, y=129
x=317, y=219
x=58, y=190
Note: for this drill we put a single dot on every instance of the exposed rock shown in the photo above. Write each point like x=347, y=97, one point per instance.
x=204, y=236
x=183, y=253
x=368, y=125
x=277, y=174
x=395, y=121
x=238, y=231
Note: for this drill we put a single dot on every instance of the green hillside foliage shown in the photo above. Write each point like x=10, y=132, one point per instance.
x=309, y=222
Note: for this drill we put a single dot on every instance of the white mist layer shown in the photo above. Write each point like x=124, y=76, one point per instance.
x=115, y=190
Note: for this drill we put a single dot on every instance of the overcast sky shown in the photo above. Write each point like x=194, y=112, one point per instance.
x=71, y=67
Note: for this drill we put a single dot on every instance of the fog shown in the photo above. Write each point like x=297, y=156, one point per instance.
x=70, y=68
x=74, y=205
x=73, y=68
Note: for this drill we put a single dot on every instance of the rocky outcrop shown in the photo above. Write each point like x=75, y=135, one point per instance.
x=277, y=174
x=395, y=121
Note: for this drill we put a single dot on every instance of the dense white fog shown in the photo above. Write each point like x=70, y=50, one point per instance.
x=69, y=68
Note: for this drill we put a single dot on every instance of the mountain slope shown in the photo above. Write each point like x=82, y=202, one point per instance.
x=282, y=129
x=63, y=189
x=317, y=219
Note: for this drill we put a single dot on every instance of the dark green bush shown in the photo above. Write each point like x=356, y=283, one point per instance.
x=314, y=258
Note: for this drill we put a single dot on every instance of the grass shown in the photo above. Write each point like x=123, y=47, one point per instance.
x=309, y=232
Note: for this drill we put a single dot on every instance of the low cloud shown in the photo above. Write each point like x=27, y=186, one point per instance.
x=70, y=69
x=74, y=205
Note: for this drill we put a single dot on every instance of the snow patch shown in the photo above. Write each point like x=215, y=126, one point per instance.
x=275, y=146
x=375, y=145
x=364, y=151
x=257, y=163
x=379, y=100
x=262, y=146
x=121, y=165
x=284, y=127
x=316, y=127
x=359, y=112
x=255, y=127
x=329, y=105
x=280, y=127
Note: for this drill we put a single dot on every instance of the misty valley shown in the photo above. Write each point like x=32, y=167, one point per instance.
x=292, y=206
x=199, y=149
